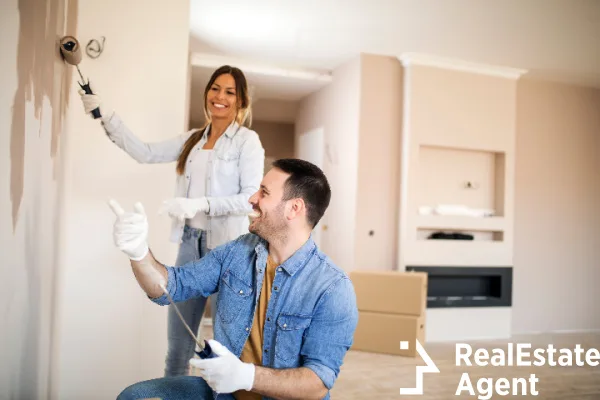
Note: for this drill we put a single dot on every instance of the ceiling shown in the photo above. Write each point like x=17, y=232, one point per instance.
x=553, y=39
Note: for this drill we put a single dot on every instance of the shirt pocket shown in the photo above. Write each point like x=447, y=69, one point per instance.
x=227, y=162
x=234, y=293
x=290, y=335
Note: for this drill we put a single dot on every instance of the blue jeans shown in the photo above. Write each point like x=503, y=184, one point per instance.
x=180, y=344
x=172, y=388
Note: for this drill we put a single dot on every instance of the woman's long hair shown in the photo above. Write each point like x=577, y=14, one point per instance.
x=243, y=115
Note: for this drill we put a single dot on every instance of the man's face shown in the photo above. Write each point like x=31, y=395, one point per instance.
x=270, y=221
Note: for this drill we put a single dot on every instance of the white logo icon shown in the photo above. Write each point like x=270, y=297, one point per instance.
x=430, y=367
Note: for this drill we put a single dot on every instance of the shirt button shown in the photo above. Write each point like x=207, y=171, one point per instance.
x=276, y=288
x=269, y=319
x=285, y=325
x=247, y=329
x=266, y=350
x=241, y=292
x=279, y=269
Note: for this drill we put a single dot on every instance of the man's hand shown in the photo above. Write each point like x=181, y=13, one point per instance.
x=225, y=373
x=182, y=208
x=130, y=230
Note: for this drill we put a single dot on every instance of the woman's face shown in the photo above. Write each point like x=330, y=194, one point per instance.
x=221, y=99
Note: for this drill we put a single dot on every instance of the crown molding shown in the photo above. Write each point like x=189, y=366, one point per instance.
x=412, y=59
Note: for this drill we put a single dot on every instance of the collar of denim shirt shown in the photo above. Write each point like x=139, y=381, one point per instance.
x=230, y=132
x=296, y=261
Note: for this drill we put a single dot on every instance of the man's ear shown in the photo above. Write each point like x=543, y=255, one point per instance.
x=296, y=208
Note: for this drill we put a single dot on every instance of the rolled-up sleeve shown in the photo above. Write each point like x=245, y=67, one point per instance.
x=198, y=278
x=331, y=332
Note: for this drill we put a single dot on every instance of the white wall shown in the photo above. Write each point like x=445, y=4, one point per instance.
x=109, y=334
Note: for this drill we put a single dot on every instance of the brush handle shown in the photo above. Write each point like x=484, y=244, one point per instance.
x=88, y=90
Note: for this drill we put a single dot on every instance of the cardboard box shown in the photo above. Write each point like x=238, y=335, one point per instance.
x=382, y=333
x=392, y=292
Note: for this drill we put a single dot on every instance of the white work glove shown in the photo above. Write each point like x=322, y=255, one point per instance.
x=130, y=232
x=182, y=208
x=90, y=101
x=225, y=373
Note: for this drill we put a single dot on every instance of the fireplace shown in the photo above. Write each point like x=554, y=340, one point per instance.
x=467, y=286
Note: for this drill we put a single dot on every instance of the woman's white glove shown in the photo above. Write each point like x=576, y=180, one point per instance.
x=225, y=373
x=90, y=101
x=130, y=232
x=182, y=208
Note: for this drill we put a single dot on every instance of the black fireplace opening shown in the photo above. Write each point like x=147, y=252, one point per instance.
x=467, y=286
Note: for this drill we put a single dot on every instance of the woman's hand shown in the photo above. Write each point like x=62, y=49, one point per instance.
x=90, y=101
x=182, y=208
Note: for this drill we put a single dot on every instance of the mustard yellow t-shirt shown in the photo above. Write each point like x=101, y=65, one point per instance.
x=252, y=352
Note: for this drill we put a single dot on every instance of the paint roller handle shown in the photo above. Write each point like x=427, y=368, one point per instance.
x=88, y=90
x=206, y=352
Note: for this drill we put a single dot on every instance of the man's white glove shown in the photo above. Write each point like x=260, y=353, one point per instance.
x=130, y=232
x=225, y=373
x=182, y=208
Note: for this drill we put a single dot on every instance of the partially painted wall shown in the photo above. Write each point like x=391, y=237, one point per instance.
x=42, y=78
x=35, y=86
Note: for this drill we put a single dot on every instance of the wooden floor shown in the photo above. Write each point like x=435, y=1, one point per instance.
x=377, y=376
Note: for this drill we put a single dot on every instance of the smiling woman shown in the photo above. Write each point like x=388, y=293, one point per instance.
x=218, y=168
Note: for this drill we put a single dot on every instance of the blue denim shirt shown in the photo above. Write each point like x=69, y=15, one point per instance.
x=311, y=315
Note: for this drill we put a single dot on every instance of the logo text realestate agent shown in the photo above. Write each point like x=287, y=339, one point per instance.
x=519, y=355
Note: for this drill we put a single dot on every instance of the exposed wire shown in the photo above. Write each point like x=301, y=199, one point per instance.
x=94, y=48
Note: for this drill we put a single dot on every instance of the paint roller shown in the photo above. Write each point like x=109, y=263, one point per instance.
x=71, y=52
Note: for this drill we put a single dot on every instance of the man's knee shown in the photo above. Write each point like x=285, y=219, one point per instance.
x=132, y=392
x=181, y=387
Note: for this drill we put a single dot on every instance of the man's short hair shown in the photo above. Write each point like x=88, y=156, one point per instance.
x=308, y=182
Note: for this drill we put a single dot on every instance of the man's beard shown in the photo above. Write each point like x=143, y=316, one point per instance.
x=271, y=226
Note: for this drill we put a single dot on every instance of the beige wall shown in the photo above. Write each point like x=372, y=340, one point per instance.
x=336, y=109
x=378, y=163
x=448, y=110
x=34, y=90
x=277, y=138
x=557, y=224
x=556, y=129
x=108, y=334
x=275, y=110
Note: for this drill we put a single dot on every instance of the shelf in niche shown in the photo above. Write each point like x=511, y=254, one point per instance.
x=462, y=223
x=469, y=177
